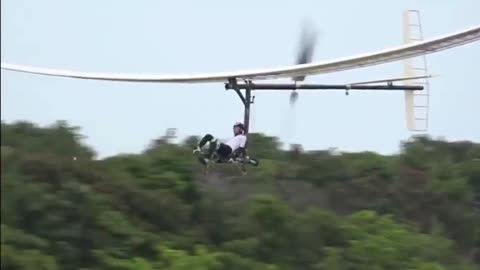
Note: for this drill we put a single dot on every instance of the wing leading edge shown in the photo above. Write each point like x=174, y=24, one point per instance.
x=340, y=64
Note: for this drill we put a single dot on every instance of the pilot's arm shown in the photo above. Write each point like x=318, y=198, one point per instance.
x=241, y=151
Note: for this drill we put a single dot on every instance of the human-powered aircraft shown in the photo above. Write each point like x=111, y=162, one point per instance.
x=249, y=80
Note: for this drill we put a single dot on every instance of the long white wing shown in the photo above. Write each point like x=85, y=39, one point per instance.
x=394, y=54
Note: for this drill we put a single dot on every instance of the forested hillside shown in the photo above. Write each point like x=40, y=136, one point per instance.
x=299, y=210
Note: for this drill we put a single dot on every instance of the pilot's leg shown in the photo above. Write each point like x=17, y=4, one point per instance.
x=224, y=151
x=204, y=140
x=212, y=146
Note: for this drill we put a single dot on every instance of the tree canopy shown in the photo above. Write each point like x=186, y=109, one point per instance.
x=314, y=210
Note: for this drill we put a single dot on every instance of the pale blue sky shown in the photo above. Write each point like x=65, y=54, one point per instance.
x=147, y=36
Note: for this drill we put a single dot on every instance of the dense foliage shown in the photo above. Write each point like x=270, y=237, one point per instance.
x=298, y=210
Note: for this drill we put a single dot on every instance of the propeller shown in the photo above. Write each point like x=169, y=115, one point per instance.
x=306, y=49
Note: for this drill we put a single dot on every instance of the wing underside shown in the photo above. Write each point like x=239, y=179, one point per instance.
x=341, y=64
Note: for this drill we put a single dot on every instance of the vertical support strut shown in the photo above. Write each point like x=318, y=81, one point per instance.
x=246, y=100
x=246, y=116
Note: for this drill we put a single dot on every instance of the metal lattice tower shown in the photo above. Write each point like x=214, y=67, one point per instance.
x=416, y=102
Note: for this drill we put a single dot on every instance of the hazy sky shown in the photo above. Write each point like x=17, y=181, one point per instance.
x=147, y=36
